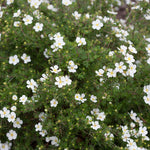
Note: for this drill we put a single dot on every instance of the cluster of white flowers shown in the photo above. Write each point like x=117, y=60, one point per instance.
x=62, y=81
x=17, y=122
x=32, y=84
x=128, y=134
x=147, y=97
x=72, y=67
x=15, y=60
x=98, y=115
x=59, y=43
x=80, y=98
x=109, y=136
x=80, y=41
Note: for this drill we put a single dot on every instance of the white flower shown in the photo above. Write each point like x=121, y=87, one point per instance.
x=95, y=125
x=43, y=133
x=132, y=49
x=111, y=73
x=1, y=14
x=31, y=84
x=53, y=103
x=44, y=77
x=23, y=99
x=68, y=81
x=54, y=141
x=97, y=24
x=9, y=2
x=143, y=131
x=120, y=67
x=100, y=72
x=80, y=41
x=59, y=43
x=66, y=2
x=89, y=119
x=129, y=58
x=147, y=89
x=147, y=99
x=38, y=27
x=60, y=81
x=93, y=98
x=148, y=48
x=111, y=53
x=27, y=19
x=17, y=123
x=25, y=58
x=35, y=3
x=4, y=112
x=13, y=108
x=126, y=137
x=11, y=117
x=72, y=67
x=76, y=15
x=13, y=60
x=95, y=111
x=17, y=14
x=42, y=116
x=14, y=97
x=148, y=60
x=55, y=69
x=122, y=49
x=101, y=116
x=17, y=23
x=12, y=135
x=4, y=146
x=38, y=127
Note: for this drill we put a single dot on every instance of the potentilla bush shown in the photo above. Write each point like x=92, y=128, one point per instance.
x=73, y=75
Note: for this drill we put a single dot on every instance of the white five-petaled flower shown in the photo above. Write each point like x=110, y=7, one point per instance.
x=60, y=81
x=25, y=58
x=129, y=58
x=14, y=97
x=31, y=84
x=17, y=123
x=27, y=19
x=17, y=23
x=72, y=67
x=95, y=125
x=80, y=41
x=53, y=103
x=4, y=112
x=55, y=69
x=17, y=14
x=11, y=117
x=13, y=60
x=38, y=127
x=100, y=72
x=9, y=2
x=132, y=49
x=23, y=99
x=120, y=67
x=12, y=135
x=66, y=2
x=111, y=73
x=80, y=97
x=101, y=116
x=97, y=24
x=54, y=140
x=93, y=98
x=38, y=27
x=76, y=15
x=43, y=133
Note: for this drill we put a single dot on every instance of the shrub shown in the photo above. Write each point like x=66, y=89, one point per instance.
x=73, y=75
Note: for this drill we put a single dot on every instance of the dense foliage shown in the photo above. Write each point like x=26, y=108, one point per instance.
x=74, y=75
